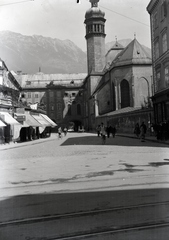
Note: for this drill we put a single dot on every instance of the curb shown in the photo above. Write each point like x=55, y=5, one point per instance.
x=150, y=140
x=19, y=145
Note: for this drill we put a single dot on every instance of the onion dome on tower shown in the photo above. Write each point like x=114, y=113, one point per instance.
x=95, y=37
x=94, y=19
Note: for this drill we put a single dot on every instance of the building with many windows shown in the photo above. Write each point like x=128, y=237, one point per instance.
x=59, y=95
x=159, y=18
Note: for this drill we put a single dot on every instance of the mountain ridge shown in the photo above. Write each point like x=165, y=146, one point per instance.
x=31, y=53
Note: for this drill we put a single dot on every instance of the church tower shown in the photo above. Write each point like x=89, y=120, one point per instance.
x=95, y=37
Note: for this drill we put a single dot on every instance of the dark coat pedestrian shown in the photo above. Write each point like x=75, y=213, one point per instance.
x=113, y=131
x=108, y=130
x=98, y=129
x=137, y=130
x=143, y=130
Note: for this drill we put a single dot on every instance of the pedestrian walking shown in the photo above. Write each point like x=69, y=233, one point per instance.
x=98, y=129
x=143, y=130
x=103, y=133
x=65, y=131
x=59, y=132
x=108, y=130
x=113, y=131
x=137, y=130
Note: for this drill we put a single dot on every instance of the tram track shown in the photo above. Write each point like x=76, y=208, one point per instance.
x=103, y=233
x=79, y=214
x=92, y=224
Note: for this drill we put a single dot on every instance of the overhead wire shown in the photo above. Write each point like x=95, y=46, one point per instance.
x=125, y=16
x=15, y=3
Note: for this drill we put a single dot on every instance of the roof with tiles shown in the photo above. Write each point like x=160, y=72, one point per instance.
x=134, y=53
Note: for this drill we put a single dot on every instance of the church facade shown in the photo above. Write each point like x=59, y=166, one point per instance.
x=119, y=84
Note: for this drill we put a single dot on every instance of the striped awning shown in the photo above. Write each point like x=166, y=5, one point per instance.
x=2, y=124
x=41, y=120
x=31, y=121
x=8, y=119
x=53, y=124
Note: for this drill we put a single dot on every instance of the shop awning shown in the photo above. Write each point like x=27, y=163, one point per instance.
x=7, y=118
x=2, y=124
x=53, y=124
x=31, y=121
x=41, y=120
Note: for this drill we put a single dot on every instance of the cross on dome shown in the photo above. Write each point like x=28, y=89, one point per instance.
x=94, y=3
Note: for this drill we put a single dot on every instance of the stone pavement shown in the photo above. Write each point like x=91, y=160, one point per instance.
x=54, y=136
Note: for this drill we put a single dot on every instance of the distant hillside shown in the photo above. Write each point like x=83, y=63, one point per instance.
x=51, y=55
x=28, y=53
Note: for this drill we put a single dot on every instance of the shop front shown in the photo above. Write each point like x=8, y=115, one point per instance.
x=161, y=106
x=7, y=131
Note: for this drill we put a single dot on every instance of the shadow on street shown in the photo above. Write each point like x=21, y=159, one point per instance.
x=43, y=208
x=117, y=141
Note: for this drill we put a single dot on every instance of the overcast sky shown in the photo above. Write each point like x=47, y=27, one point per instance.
x=64, y=19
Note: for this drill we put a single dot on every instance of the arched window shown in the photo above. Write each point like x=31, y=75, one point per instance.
x=78, y=109
x=125, y=94
x=113, y=97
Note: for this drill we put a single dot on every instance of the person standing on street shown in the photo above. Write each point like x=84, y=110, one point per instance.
x=143, y=130
x=108, y=130
x=137, y=130
x=59, y=132
x=65, y=131
x=98, y=130
x=113, y=131
x=103, y=133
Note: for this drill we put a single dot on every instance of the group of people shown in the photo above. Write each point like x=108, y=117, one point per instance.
x=140, y=131
x=103, y=130
x=161, y=130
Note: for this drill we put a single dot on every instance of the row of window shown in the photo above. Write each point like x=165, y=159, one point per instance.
x=95, y=28
x=51, y=94
x=29, y=95
x=165, y=72
x=77, y=109
x=66, y=94
x=160, y=14
x=159, y=49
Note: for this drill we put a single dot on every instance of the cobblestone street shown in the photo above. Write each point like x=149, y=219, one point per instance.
x=79, y=162
x=48, y=178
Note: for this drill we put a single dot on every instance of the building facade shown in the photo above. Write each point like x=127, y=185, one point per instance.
x=159, y=19
x=9, y=101
x=60, y=95
x=120, y=85
x=126, y=88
